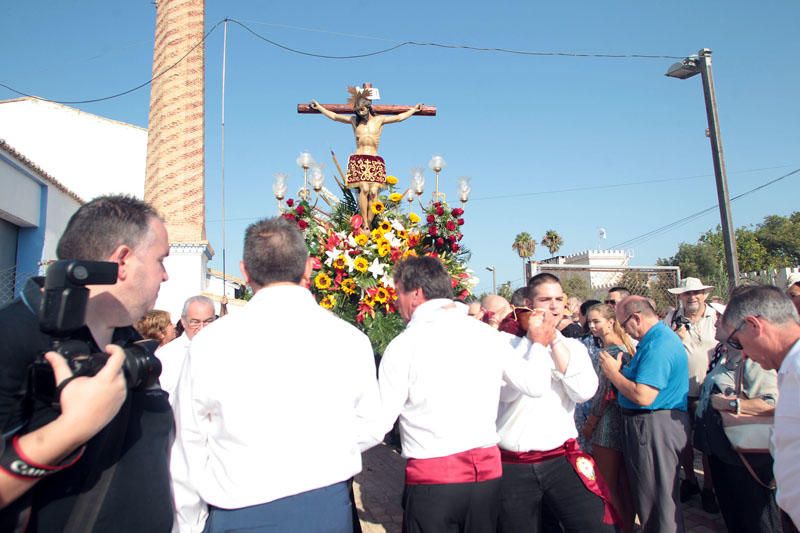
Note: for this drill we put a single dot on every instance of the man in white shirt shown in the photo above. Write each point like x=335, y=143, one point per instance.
x=198, y=312
x=271, y=403
x=543, y=465
x=765, y=325
x=442, y=376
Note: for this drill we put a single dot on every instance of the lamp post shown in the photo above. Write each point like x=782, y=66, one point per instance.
x=493, y=270
x=279, y=187
x=463, y=190
x=437, y=163
x=305, y=161
x=691, y=66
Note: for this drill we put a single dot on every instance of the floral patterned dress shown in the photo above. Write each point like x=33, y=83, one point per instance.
x=583, y=410
x=608, y=432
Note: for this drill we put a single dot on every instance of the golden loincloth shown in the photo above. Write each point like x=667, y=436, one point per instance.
x=365, y=168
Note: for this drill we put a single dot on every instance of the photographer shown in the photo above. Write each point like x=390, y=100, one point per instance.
x=100, y=463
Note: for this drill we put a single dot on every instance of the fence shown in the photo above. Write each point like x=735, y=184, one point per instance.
x=589, y=281
x=11, y=283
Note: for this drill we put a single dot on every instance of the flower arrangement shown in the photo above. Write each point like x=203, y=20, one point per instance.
x=353, y=266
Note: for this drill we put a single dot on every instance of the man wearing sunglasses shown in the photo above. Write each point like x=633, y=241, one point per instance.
x=652, y=397
x=765, y=325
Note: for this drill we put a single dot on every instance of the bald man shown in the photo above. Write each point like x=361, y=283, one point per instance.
x=653, y=390
x=495, y=309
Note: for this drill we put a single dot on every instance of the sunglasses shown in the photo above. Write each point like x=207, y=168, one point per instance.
x=610, y=302
x=624, y=322
x=734, y=343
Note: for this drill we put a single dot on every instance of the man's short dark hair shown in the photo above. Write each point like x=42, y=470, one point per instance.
x=766, y=301
x=100, y=226
x=541, y=279
x=274, y=251
x=624, y=291
x=426, y=273
x=588, y=304
x=519, y=296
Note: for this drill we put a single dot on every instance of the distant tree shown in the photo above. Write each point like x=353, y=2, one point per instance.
x=576, y=286
x=773, y=243
x=505, y=290
x=552, y=241
x=525, y=246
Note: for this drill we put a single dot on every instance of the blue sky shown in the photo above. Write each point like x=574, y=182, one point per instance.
x=623, y=144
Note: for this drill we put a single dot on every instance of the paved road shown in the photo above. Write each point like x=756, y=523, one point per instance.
x=380, y=485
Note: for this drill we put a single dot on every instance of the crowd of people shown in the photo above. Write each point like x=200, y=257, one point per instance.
x=543, y=413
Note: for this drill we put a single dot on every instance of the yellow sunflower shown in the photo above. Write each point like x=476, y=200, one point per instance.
x=339, y=263
x=348, y=286
x=384, y=249
x=322, y=281
x=395, y=197
x=410, y=253
x=328, y=302
x=391, y=180
x=378, y=208
x=376, y=234
x=361, y=239
x=381, y=295
x=385, y=226
x=361, y=264
x=402, y=234
x=413, y=217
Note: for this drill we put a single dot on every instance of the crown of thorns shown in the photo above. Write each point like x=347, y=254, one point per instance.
x=357, y=93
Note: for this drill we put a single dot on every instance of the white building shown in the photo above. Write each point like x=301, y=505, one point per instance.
x=599, y=268
x=53, y=158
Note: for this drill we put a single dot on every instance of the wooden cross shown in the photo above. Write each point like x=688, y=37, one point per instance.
x=344, y=109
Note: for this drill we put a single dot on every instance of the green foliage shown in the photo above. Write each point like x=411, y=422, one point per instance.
x=552, y=241
x=773, y=243
x=505, y=290
x=524, y=244
x=575, y=285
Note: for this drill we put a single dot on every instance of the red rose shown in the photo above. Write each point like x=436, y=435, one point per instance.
x=452, y=238
x=431, y=219
x=460, y=221
x=316, y=264
x=440, y=210
x=440, y=242
x=453, y=283
x=290, y=202
x=433, y=230
x=450, y=225
x=290, y=216
x=457, y=212
x=300, y=210
x=463, y=294
x=302, y=224
x=437, y=204
x=454, y=247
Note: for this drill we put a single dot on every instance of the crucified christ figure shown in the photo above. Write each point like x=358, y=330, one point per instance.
x=366, y=170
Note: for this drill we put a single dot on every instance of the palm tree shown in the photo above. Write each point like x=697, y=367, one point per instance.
x=525, y=245
x=552, y=241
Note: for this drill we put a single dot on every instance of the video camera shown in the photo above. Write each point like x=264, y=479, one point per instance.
x=61, y=310
x=679, y=320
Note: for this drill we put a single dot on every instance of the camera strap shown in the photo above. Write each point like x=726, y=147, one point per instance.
x=31, y=294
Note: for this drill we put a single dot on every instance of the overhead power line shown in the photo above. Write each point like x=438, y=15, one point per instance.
x=640, y=239
x=123, y=93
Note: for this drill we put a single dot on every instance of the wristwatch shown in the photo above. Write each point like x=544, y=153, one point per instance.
x=734, y=405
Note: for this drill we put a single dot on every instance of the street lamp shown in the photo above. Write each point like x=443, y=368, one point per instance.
x=437, y=163
x=493, y=270
x=691, y=66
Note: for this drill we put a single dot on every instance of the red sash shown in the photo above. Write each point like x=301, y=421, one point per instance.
x=478, y=464
x=584, y=466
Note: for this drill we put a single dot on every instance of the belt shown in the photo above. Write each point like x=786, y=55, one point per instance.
x=640, y=412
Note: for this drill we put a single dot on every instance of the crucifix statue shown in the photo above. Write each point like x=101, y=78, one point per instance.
x=366, y=170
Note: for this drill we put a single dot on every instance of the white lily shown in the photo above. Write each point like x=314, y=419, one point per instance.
x=332, y=255
x=376, y=269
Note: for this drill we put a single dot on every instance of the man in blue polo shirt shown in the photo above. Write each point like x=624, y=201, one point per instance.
x=653, y=390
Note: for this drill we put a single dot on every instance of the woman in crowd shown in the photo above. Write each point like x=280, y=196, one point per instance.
x=156, y=325
x=582, y=410
x=604, y=425
x=743, y=493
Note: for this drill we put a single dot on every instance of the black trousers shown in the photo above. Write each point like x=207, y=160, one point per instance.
x=526, y=489
x=746, y=506
x=452, y=507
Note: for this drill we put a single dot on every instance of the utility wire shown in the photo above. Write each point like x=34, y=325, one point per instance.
x=685, y=220
x=611, y=186
x=354, y=56
x=457, y=47
x=123, y=93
